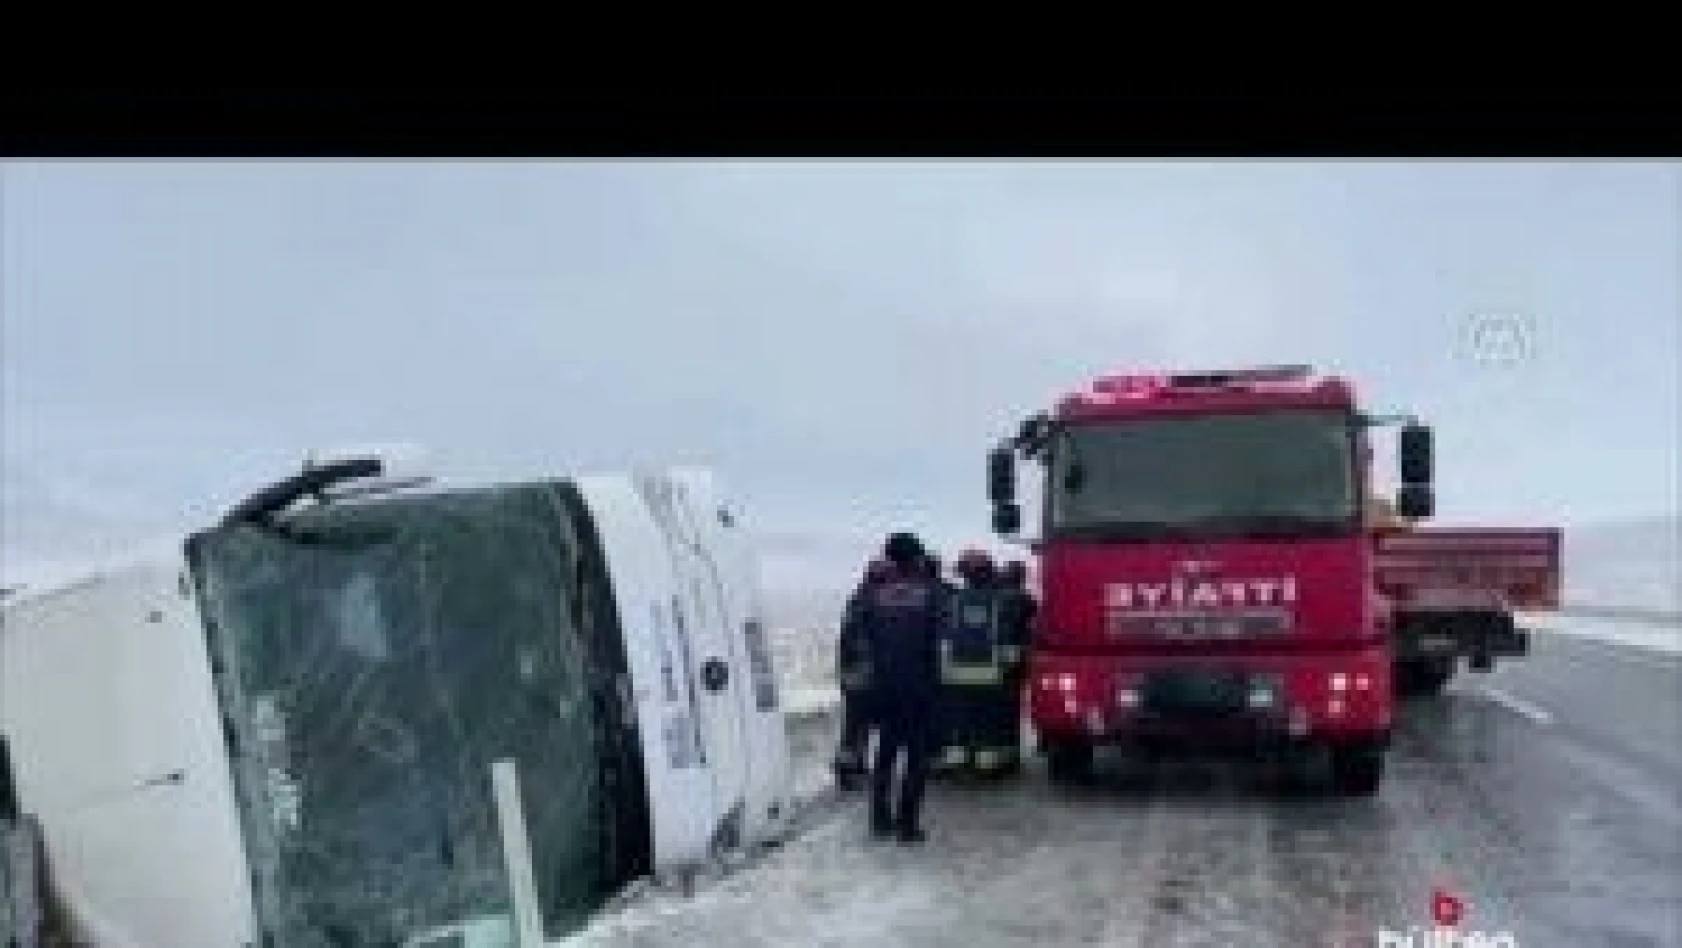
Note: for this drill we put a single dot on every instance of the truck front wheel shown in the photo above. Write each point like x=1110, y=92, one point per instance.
x=1357, y=769
x=1068, y=761
x=1422, y=677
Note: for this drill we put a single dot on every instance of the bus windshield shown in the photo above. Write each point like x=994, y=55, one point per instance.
x=373, y=661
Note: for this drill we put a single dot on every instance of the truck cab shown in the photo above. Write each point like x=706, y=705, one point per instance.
x=419, y=716
x=1206, y=567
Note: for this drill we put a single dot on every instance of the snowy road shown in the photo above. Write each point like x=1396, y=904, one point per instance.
x=1545, y=795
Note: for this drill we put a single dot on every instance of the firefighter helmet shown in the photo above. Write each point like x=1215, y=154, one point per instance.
x=974, y=563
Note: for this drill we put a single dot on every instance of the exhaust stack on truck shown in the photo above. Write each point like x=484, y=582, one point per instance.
x=407, y=716
x=1210, y=575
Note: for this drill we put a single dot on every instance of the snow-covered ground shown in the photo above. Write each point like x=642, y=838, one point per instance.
x=829, y=887
x=804, y=624
x=1526, y=818
x=1632, y=564
x=1653, y=636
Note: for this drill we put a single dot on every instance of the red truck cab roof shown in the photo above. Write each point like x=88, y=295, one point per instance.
x=1132, y=394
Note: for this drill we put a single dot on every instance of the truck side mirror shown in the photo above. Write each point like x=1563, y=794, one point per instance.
x=1001, y=475
x=1415, y=454
x=1415, y=501
x=1007, y=519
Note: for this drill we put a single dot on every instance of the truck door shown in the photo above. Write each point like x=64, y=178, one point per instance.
x=701, y=616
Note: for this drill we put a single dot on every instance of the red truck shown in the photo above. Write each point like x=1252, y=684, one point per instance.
x=1211, y=575
x=1455, y=594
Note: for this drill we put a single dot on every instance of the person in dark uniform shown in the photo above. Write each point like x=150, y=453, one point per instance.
x=1013, y=579
x=900, y=620
x=959, y=704
x=940, y=735
x=937, y=572
x=853, y=669
x=1019, y=610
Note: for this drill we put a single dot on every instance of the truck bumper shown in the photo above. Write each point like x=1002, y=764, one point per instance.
x=1471, y=633
x=1229, y=702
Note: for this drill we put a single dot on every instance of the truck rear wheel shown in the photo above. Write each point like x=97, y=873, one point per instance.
x=1068, y=761
x=1357, y=769
x=1422, y=677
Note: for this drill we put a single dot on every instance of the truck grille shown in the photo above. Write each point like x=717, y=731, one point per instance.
x=1198, y=625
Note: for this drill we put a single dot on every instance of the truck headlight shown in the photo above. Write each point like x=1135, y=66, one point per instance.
x=1339, y=681
x=1064, y=682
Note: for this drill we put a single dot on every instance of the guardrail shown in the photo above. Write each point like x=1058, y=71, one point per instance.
x=1630, y=613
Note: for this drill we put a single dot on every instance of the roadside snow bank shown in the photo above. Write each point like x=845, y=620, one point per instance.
x=1633, y=565
x=806, y=666
x=811, y=700
x=1655, y=636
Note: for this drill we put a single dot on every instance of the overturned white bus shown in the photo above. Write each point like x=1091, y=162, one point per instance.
x=461, y=717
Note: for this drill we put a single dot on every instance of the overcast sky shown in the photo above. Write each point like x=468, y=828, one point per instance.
x=841, y=340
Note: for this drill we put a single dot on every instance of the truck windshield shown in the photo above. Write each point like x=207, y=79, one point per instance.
x=373, y=660
x=1261, y=474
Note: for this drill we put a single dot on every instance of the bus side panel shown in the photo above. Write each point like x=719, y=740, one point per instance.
x=717, y=671
x=107, y=703
x=681, y=786
x=754, y=683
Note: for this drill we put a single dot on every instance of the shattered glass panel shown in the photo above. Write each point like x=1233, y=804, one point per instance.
x=374, y=659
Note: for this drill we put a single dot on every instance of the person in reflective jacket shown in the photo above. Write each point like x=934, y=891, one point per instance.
x=1014, y=575
x=966, y=661
x=1019, y=610
x=899, y=620
x=977, y=659
x=853, y=669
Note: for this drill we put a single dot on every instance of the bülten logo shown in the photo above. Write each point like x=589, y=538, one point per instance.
x=1447, y=912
